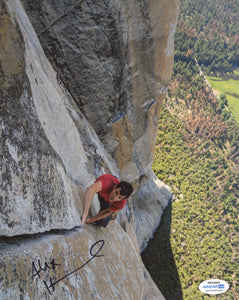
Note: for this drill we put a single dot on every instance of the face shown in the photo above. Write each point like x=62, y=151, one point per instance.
x=115, y=195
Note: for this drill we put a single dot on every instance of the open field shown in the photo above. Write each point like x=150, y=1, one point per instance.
x=230, y=87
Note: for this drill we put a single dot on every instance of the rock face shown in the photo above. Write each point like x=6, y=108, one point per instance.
x=115, y=57
x=76, y=265
x=81, y=91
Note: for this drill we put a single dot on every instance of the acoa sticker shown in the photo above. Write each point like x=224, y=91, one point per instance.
x=213, y=286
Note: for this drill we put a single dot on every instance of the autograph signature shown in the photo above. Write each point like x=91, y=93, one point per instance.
x=36, y=270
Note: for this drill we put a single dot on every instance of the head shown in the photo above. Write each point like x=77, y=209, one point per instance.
x=121, y=191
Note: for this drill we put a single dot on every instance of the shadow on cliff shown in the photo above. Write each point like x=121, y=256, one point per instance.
x=159, y=261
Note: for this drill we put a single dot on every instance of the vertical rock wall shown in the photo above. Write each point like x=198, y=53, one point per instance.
x=115, y=57
x=85, y=105
x=46, y=159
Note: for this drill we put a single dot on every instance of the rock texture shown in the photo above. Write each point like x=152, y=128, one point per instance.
x=81, y=91
x=152, y=198
x=115, y=58
x=73, y=265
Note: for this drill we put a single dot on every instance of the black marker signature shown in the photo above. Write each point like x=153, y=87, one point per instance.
x=47, y=265
x=52, y=265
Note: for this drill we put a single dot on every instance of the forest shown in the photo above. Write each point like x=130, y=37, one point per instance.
x=210, y=30
x=197, y=155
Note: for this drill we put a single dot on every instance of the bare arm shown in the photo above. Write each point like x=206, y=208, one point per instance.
x=88, y=197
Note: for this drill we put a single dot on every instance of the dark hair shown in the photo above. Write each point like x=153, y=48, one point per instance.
x=126, y=189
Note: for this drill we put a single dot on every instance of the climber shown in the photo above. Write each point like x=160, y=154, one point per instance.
x=112, y=196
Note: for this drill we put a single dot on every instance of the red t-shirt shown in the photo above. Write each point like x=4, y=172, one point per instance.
x=108, y=182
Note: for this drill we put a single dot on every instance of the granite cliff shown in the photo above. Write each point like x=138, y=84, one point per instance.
x=81, y=87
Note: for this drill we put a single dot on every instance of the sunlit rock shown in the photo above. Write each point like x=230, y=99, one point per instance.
x=81, y=92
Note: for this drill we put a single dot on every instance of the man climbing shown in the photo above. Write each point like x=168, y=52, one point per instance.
x=112, y=196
